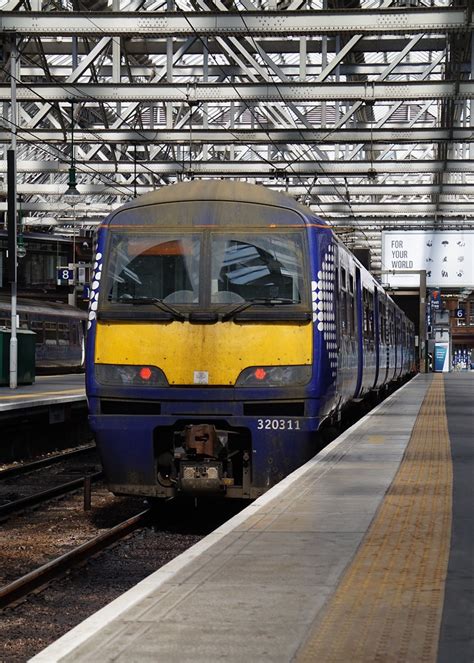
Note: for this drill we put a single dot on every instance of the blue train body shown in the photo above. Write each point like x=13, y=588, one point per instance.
x=227, y=324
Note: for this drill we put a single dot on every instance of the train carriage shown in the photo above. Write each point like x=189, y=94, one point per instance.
x=227, y=322
x=59, y=330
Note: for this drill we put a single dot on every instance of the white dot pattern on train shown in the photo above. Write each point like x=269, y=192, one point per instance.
x=322, y=294
x=94, y=296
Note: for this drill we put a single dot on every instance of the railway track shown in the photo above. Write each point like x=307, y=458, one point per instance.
x=34, y=483
x=57, y=567
x=25, y=468
x=38, y=498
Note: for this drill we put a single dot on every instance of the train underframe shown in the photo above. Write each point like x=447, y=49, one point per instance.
x=238, y=458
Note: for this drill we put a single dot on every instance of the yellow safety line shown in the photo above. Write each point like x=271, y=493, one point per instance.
x=53, y=377
x=388, y=606
x=40, y=394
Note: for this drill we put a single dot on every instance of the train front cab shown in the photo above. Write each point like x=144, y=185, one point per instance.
x=221, y=400
x=216, y=347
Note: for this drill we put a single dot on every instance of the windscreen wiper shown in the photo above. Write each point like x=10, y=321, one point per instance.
x=159, y=303
x=257, y=301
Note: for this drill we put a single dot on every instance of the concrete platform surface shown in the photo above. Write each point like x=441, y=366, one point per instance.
x=47, y=390
x=320, y=568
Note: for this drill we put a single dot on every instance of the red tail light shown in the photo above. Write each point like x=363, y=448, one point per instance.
x=260, y=373
x=145, y=373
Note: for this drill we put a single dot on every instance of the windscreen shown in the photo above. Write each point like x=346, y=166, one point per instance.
x=204, y=269
x=143, y=266
x=256, y=266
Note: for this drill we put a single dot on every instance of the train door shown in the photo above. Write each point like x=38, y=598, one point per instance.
x=377, y=336
x=82, y=343
x=406, y=358
x=339, y=299
x=402, y=348
x=368, y=343
x=359, y=334
x=392, y=351
x=352, y=323
x=346, y=347
x=398, y=345
x=384, y=358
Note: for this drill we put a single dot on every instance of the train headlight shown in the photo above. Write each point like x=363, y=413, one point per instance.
x=123, y=374
x=274, y=376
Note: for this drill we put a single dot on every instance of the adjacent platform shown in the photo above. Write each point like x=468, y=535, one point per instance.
x=47, y=391
x=38, y=418
x=364, y=554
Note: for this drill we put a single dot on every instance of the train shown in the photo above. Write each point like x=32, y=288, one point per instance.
x=227, y=324
x=59, y=329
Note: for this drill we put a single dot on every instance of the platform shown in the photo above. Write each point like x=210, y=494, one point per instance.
x=364, y=554
x=48, y=390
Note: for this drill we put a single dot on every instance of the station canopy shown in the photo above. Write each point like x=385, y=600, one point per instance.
x=361, y=109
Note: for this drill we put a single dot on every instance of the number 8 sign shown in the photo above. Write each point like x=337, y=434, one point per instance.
x=65, y=274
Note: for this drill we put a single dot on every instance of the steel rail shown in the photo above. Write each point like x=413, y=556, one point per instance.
x=25, y=468
x=38, y=498
x=43, y=574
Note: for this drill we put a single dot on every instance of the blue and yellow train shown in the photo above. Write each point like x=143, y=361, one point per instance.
x=226, y=324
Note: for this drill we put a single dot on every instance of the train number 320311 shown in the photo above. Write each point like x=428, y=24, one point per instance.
x=278, y=424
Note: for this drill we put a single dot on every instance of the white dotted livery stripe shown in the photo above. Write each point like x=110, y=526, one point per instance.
x=94, y=296
x=324, y=314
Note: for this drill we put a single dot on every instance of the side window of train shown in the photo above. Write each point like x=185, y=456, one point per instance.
x=63, y=333
x=50, y=333
x=368, y=303
x=37, y=327
x=371, y=316
x=397, y=329
x=343, y=302
x=74, y=331
x=364, y=307
x=351, y=308
x=383, y=322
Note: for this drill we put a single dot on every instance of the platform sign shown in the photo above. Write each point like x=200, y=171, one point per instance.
x=435, y=297
x=446, y=257
x=65, y=275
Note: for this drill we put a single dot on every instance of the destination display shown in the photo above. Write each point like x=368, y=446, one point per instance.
x=446, y=256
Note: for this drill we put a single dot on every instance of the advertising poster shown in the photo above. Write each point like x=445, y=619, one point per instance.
x=441, y=358
x=446, y=257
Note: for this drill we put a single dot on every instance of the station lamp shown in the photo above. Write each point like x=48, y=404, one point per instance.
x=71, y=195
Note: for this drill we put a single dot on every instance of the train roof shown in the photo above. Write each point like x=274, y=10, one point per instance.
x=215, y=191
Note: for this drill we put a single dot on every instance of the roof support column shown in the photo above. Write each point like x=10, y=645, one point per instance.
x=116, y=61
x=169, y=69
x=12, y=215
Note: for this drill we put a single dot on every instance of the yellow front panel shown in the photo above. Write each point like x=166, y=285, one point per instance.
x=221, y=349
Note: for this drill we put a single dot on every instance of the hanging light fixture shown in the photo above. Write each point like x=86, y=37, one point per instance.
x=71, y=195
x=371, y=173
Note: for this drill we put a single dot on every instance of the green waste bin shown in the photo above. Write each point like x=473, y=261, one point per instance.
x=26, y=356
